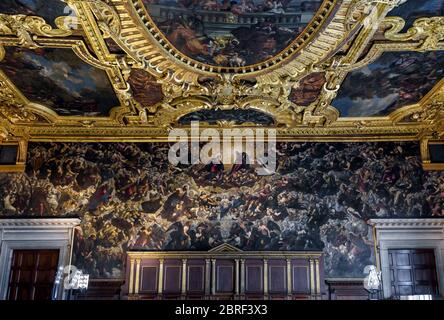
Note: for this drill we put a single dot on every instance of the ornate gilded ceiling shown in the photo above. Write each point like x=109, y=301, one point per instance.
x=130, y=70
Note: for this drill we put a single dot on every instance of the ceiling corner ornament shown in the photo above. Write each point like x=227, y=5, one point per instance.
x=27, y=27
x=432, y=112
x=365, y=12
x=12, y=105
x=428, y=31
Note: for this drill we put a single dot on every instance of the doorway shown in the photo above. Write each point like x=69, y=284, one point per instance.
x=413, y=272
x=32, y=274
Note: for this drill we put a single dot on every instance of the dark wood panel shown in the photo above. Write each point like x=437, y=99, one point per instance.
x=173, y=278
x=254, y=278
x=101, y=289
x=225, y=276
x=149, y=279
x=301, y=278
x=413, y=272
x=196, y=279
x=224, y=273
x=32, y=274
x=346, y=289
x=278, y=279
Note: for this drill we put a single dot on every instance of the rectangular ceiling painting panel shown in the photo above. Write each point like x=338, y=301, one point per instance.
x=59, y=80
x=395, y=80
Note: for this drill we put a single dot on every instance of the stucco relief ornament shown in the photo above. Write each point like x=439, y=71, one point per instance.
x=367, y=10
x=4, y=134
x=27, y=27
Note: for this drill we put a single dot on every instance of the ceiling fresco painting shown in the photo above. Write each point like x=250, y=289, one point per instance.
x=231, y=33
x=47, y=9
x=60, y=80
x=313, y=70
x=395, y=80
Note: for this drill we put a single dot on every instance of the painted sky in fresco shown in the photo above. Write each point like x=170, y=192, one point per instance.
x=395, y=80
x=60, y=80
x=414, y=9
x=48, y=9
x=231, y=33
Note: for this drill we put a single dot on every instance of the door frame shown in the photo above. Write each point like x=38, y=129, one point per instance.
x=409, y=234
x=34, y=234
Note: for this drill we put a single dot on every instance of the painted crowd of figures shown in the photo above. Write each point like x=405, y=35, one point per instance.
x=129, y=196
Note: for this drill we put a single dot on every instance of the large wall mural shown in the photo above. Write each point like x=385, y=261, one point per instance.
x=415, y=9
x=232, y=33
x=395, y=80
x=76, y=87
x=48, y=9
x=129, y=196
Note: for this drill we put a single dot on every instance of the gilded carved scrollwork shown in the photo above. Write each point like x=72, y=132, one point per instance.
x=338, y=40
x=26, y=27
x=429, y=31
x=107, y=17
x=12, y=105
x=364, y=12
x=431, y=112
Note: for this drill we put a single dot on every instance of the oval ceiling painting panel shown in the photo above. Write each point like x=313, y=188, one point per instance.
x=231, y=33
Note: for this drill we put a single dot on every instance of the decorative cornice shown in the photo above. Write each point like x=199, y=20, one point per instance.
x=407, y=223
x=39, y=223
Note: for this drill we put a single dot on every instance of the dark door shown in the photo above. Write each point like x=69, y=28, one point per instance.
x=413, y=272
x=32, y=274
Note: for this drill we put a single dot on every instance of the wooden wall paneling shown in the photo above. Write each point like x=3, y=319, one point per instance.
x=172, y=282
x=224, y=276
x=149, y=275
x=254, y=277
x=224, y=272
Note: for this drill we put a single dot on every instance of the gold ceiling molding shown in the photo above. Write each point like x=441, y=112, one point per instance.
x=26, y=27
x=339, y=39
x=429, y=31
